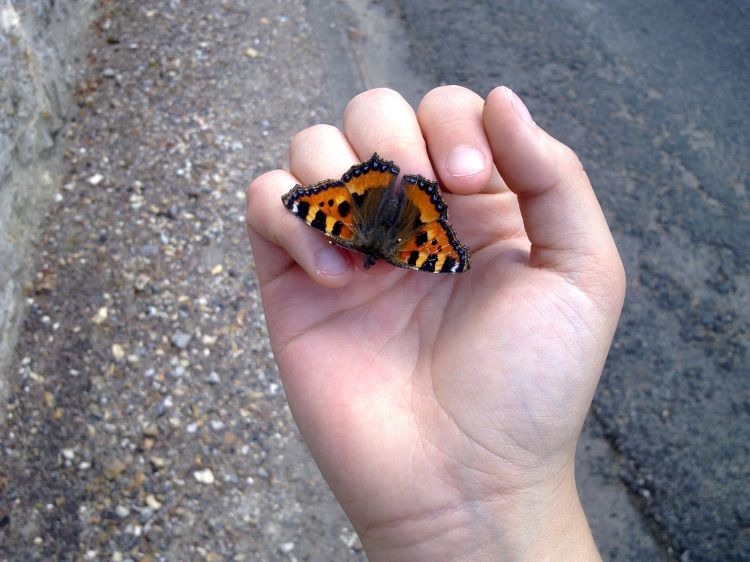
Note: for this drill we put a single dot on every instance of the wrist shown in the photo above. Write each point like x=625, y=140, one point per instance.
x=544, y=523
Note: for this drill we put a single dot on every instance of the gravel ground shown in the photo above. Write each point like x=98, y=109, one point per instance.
x=146, y=418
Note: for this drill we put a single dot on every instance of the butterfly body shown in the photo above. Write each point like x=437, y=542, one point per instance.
x=365, y=211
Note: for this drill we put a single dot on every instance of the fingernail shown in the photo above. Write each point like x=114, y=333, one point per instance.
x=330, y=261
x=465, y=161
x=519, y=106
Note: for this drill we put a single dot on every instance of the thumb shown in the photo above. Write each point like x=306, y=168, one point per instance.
x=561, y=215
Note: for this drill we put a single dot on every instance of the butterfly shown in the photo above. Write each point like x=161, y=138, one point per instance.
x=363, y=211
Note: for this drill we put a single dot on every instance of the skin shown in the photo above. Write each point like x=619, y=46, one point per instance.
x=444, y=410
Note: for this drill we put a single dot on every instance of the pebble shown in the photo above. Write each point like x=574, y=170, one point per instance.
x=152, y=502
x=96, y=179
x=114, y=469
x=100, y=316
x=151, y=429
x=141, y=282
x=181, y=339
x=121, y=511
x=118, y=352
x=205, y=476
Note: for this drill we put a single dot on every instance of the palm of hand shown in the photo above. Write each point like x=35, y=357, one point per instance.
x=383, y=378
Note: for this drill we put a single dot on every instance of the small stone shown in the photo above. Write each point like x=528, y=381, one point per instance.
x=96, y=179
x=181, y=339
x=49, y=399
x=205, y=476
x=100, y=316
x=121, y=511
x=217, y=269
x=149, y=250
x=141, y=282
x=151, y=429
x=146, y=514
x=152, y=502
x=217, y=425
x=157, y=462
x=68, y=454
x=109, y=72
x=214, y=378
x=114, y=469
x=286, y=547
x=251, y=53
x=118, y=352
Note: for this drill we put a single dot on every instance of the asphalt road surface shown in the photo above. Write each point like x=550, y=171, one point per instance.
x=653, y=96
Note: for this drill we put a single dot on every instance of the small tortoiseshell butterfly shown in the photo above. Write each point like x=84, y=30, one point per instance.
x=363, y=211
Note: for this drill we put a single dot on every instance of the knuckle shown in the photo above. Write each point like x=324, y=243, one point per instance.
x=399, y=144
x=376, y=96
x=265, y=179
x=260, y=184
x=320, y=130
x=450, y=92
x=568, y=158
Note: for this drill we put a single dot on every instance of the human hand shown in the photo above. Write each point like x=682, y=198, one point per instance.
x=444, y=410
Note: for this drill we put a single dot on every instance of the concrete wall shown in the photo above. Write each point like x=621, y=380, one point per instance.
x=41, y=44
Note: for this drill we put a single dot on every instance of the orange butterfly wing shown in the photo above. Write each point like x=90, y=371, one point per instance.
x=433, y=245
x=335, y=206
x=326, y=206
x=373, y=177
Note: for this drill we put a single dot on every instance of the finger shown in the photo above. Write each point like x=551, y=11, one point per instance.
x=382, y=121
x=451, y=121
x=319, y=153
x=561, y=214
x=322, y=152
x=273, y=228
